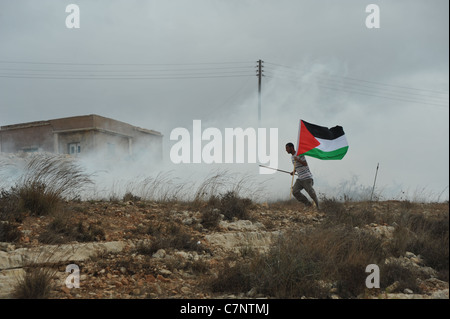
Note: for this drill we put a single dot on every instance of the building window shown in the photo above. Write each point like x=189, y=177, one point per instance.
x=74, y=148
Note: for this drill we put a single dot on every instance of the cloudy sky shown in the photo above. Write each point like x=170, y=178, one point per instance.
x=162, y=64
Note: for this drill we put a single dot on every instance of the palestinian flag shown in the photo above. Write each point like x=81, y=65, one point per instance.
x=321, y=142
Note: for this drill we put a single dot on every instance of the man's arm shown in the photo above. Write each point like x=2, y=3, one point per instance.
x=303, y=162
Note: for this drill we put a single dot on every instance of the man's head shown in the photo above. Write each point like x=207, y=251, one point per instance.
x=290, y=148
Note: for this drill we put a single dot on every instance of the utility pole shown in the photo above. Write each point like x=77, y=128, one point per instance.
x=259, y=74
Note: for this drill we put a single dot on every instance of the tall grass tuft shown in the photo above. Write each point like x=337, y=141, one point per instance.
x=46, y=181
x=37, y=283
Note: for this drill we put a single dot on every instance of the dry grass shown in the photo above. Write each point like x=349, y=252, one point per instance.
x=425, y=236
x=9, y=232
x=169, y=236
x=304, y=264
x=46, y=180
x=37, y=283
x=335, y=254
x=63, y=230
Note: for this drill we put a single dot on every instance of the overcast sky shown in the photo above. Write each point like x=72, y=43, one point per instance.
x=162, y=64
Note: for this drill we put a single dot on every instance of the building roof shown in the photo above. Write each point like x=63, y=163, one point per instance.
x=82, y=122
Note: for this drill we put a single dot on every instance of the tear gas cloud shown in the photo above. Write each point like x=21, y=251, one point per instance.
x=283, y=104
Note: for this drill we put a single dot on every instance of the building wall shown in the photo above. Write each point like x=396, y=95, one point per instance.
x=147, y=146
x=111, y=146
x=92, y=133
x=84, y=138
x=70, y=123
x=34, y=137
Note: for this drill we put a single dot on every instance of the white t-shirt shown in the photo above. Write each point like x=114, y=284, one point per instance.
x=302, y=171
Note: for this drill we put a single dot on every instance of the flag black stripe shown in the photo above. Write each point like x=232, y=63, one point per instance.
x=324, y=132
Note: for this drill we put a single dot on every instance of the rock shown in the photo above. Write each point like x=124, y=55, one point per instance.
x=182, y=254
x=150, y=278
x=65, y=290
x=235, y=241
x=185, y=290
x=409, y=254
x=241, y=225
x=252, y=292
x=136, y=292
x=436, y=283
x=440, y=294
x=190, y=221
x=162, y=278
x=393, y=287
x=165, y=272
x=417, y=269
x=56, y=253
x=382, y=231
x=7, y=247
x=161, y=253
x=408, y=291
x=417, y=260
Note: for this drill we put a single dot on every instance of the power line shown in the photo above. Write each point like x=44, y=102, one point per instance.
x=366, y=81
x=95, y=74
x=122, y=77
x=345, y=83
x=134, y=71
x=208, y=70
x=367, y=88
x=123, y=64
x=370, y=93
x=137, y=70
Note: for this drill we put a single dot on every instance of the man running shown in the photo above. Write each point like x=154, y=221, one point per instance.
x=305, y=179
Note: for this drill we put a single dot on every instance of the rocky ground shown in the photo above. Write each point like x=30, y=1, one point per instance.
x=116, y=258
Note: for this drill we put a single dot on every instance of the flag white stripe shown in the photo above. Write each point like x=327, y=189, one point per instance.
x=332, y=145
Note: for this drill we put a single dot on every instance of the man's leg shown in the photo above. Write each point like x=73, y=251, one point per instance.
x=296, y=191
x=308, y=186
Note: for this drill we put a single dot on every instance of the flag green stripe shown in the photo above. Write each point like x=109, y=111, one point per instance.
x=333, y=155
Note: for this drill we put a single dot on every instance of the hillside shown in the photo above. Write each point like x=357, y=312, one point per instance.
x=225, y=247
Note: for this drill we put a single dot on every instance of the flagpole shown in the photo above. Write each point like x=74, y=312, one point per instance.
x=292, y=183
x=276, y=169
x=373, y=188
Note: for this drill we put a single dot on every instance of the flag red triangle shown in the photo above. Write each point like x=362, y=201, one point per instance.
x=306, y=141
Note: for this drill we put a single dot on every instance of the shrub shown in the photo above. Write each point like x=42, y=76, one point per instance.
x=169, y=235
x=9, y=232
x=233, y=206
x=306, y=264
x=211, y=218
x=9, y=207
x=291, y=269
x=130, y=197
x=60, y=230
x=36, y=198
x=47, y=180
x=395, y=272
x=426, y=236
x=337, y=213
x=37, y=283
x=232, y=279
